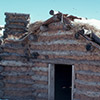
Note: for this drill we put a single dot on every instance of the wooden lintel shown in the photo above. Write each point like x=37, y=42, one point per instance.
x=66, y=61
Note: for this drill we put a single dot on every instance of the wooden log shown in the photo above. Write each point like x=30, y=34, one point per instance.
x=5, y=35
x=15, y=26
x=38, y=77
x=96, y=38
x=52, y=12
x=44, y=69
x=61, y=42
x=10, y=54
x=17, y=15
x=40, y=86
x=51, y=20
x=16, y=23
x=57, y=33
x=20, y=81
x=24, y=97
x=67, y=27
x=63, y=53
x=15, y=63
x=66, y=61
x=9, y=31
x=17, y=46
x=87, y=87
x=18, y=73
x=33, y=37
x=19, y=89
x=79, y=96
x=1, y=42
x=88, y=93
x=81, y=32
x=66, y=21
x=16, y=20
x=44, y=28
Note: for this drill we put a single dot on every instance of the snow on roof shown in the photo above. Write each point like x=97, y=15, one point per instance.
x=92, y=22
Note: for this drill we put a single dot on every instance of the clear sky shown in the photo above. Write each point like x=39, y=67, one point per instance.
x=39, y=9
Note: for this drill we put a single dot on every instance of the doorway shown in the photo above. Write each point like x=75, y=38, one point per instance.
x=60, y=81
x=63, y=82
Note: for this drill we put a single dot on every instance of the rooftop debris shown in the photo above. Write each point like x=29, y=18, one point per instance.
x=35, y=27
x=88, y=28
x=68, y=21
x=91, y=27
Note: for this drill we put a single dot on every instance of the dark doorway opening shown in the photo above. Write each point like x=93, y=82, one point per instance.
x=63, y=82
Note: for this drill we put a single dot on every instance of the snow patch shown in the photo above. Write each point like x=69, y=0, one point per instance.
x=92, y=22
x=1, y=30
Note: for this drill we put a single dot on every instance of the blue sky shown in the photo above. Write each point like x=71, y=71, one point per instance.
x=39, y=9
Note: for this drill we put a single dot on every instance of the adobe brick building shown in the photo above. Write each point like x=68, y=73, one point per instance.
x=47, y=62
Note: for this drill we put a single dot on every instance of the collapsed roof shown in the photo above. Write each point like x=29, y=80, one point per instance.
x=88, y=28
x=68, y=20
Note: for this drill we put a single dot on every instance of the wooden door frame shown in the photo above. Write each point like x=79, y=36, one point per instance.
x=51, y=81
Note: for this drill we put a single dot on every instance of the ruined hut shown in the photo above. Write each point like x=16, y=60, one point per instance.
x=50, y=60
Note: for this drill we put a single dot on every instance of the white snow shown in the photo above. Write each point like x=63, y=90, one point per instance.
x=92, y=22
x=1, y=31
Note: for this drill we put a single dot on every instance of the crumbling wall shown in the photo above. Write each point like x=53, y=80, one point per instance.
x=23, y=79
x=24, y=64
x=16, y=25
x=61, y=47
x=17, y=72
x=87, y=81
x=20, y=78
